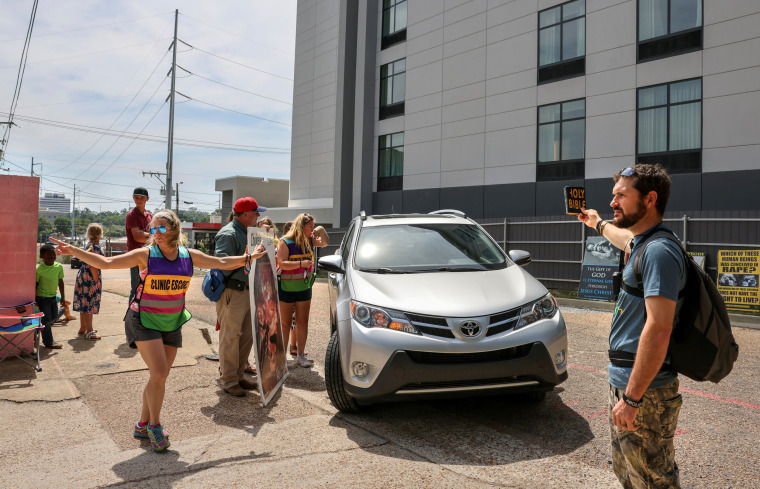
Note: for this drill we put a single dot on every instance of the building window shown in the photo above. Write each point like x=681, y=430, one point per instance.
x=561, y=141
x=669, y=27
x=394, y=22
x=562, y=41
x=390, y=162
x=670, y=125
x=392, y=89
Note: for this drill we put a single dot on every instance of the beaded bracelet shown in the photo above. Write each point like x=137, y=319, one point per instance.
x=247, y=263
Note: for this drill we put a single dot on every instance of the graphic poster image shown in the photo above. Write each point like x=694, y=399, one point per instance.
x=699, y=258
x=600, y=261
x=738, y=275
x=268, y=347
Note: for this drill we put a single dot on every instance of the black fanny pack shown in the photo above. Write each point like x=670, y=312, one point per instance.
x=626, y=359
x=235, y=284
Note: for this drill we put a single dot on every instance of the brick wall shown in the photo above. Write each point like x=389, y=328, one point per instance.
x=19, y=201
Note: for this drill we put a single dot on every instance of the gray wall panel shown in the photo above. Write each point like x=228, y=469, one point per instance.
x=424, y=200
x=510, y=200
x=550, y=196
x=731, y=190
x=466, y=199
x=389, y=202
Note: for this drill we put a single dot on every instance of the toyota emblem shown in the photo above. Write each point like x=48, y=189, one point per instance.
x=470, y=329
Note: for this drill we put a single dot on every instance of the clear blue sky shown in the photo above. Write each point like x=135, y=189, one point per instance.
x=90, y=65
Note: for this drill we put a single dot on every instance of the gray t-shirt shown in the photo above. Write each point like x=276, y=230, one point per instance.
x=664, y=274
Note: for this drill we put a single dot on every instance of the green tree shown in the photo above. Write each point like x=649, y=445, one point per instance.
x=81, y=226
x=62, y=225
x=44, y=225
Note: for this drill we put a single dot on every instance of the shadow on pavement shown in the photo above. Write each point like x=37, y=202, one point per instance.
x=149, y=465
x=493, y=430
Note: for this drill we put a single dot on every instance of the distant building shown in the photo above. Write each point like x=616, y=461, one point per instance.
x=51, y=215
x=56, y=202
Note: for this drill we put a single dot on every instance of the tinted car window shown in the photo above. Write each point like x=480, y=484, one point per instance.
x=426, y=248
x=345, y=246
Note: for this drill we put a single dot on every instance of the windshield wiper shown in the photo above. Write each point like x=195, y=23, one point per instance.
x=449, y=269
x=382, y=270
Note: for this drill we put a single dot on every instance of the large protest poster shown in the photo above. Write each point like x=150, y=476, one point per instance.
x=738, y=274
x=268, y=347
x=600, y=261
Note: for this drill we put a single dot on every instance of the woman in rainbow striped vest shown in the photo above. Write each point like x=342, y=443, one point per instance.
x=295, y=259
x=153, y=323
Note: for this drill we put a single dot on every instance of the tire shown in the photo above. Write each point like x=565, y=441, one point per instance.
x=334, y=379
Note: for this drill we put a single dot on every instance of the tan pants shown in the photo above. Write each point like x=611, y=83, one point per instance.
x=233, y=310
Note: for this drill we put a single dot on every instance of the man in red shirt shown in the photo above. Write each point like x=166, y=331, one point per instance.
x=137, y=223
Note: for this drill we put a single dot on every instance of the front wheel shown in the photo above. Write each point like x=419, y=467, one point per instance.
x=334, y=379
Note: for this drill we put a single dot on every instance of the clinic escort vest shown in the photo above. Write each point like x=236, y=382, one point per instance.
x=299, y=279
x=162, y=303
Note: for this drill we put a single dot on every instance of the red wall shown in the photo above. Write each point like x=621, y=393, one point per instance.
x=19, y=206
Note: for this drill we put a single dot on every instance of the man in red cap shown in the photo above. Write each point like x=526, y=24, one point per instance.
x=137, y=232
x=233, y=309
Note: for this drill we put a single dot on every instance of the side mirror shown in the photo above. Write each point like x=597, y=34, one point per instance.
x=331, y=263
x=520, y=257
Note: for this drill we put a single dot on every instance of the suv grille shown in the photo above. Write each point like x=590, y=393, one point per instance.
x=437, y=326
x=431, y=358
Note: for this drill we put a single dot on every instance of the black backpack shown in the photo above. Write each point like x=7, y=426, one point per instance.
x=701, y=344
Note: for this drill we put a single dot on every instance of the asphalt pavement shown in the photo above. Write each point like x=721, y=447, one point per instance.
x=70, y=425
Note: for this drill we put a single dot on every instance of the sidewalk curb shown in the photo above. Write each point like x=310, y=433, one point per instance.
x=737, y=320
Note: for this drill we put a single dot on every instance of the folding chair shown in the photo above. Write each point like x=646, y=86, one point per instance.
x=20, y=333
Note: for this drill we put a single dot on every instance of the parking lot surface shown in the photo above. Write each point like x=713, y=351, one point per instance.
x=71, y=424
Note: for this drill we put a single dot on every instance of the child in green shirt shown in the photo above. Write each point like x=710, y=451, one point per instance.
x=49, y=273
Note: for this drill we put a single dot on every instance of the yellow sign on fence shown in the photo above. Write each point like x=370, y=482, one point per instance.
x=738, y=274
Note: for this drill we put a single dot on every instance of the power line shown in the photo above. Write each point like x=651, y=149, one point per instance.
x=90, y=27
x=19, y=80
x=238, y=35
x=234, y=88
x=81, y=101
x=121, y=113
x=153, y=138
x=128, y=146
x=235, y=62
x=93, y=53
x=235, y=111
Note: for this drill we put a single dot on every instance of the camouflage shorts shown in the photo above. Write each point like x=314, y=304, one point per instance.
x=645, y=458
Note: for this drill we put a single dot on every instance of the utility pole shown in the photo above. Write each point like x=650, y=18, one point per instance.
x=177, y=197
x=33, y=163
x=73, y=212
x=171, y=118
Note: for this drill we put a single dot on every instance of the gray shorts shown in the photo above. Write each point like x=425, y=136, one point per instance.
x=135, y=331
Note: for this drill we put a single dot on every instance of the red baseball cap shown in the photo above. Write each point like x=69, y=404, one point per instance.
x=248, y=204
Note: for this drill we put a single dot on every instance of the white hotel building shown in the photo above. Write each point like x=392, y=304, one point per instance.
x=492, y=106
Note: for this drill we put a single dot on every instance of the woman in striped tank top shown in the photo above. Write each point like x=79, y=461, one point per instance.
x=153, y=323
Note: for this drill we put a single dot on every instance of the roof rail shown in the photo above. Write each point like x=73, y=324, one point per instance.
x=450, y=211
x=363, y=215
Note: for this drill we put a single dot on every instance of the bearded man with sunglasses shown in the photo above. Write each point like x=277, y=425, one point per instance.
x=233, y=309
x=644, y=402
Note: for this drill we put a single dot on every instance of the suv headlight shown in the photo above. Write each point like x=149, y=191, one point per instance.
x=543, y=308
x=375, y=317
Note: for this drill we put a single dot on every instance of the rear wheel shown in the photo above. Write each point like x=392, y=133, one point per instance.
x=334, y=379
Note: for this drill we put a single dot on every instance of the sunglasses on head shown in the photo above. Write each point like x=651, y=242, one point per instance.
x=628, y=172
x=161, y=229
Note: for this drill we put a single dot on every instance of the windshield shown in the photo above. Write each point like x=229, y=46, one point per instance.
x=416, y=248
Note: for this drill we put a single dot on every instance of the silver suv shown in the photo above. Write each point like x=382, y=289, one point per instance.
x=429, y=305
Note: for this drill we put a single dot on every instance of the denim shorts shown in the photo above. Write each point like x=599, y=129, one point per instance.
x=291, y=297
x=135, y=331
